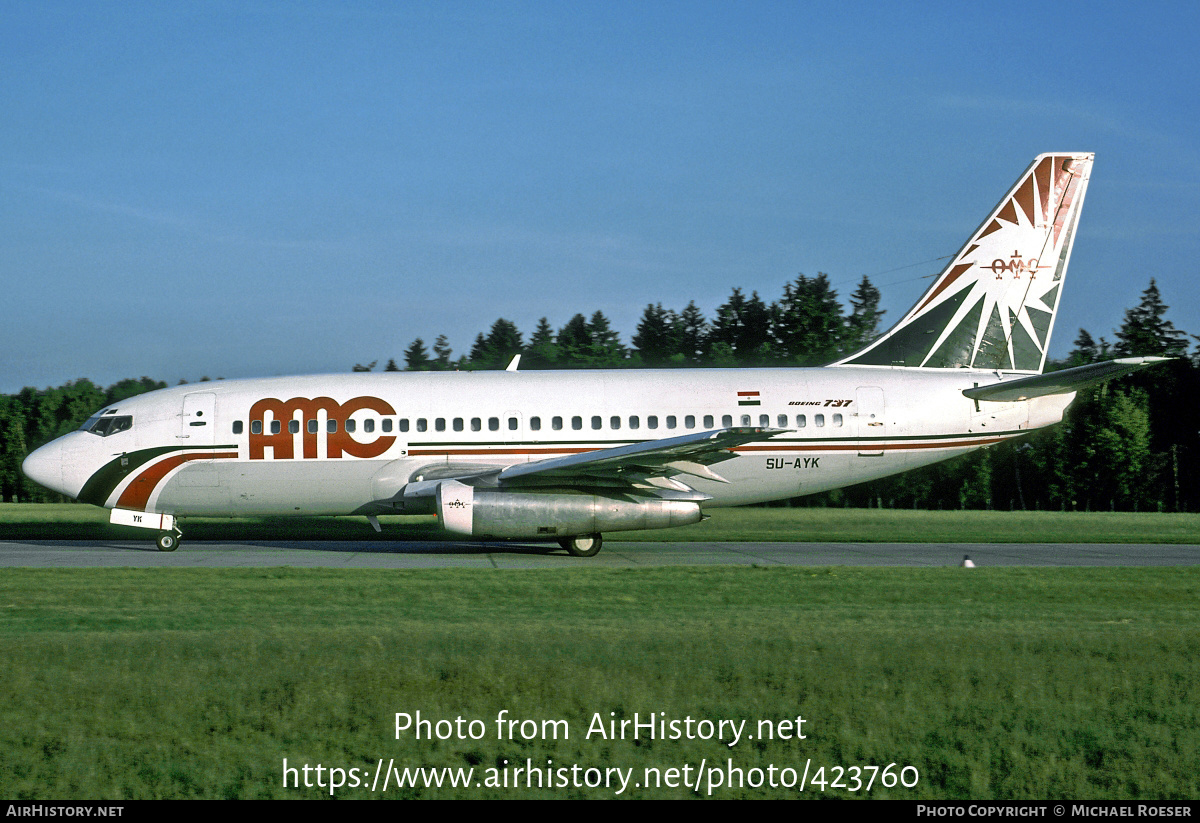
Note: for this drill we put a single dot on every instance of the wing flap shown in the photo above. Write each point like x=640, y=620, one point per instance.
x=688, y=454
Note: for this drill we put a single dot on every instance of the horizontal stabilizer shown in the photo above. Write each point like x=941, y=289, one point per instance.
x=1060, y=382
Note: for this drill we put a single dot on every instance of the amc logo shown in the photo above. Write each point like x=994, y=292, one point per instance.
x=337, y=442
x=1016, y=265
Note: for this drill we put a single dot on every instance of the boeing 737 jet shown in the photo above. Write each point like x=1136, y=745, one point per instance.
x=568, y=455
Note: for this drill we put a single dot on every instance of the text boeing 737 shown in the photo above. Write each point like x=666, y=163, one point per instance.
x=567, y=455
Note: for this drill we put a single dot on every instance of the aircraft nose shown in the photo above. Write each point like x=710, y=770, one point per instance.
x=44, y=466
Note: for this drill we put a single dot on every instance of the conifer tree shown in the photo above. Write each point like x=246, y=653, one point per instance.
x=441, y=353
x=693, y=335
x=863, y=323
x=808, y=321
x=497, y=349
x=1146, y=331
x=416, y=358
x=574, y=341
x=1085, y=351
x=605, y=349
x=542, y=352
x=658, y=336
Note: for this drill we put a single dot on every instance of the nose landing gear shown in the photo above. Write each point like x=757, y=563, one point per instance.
x=168, y=530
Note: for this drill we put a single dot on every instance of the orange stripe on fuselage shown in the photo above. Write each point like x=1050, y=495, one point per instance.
x=851, y=445
x=137, y=494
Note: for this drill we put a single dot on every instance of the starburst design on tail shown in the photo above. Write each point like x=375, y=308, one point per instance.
x=993, y=306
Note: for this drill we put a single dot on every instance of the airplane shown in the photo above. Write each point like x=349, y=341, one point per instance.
x=569, y=455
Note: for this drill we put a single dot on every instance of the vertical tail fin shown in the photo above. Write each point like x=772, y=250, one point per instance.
x=993, y=306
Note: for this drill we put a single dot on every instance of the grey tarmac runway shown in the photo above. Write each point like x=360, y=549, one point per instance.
x=375, y=555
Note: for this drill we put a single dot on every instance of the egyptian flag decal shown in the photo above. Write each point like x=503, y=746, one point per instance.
x=748, y=398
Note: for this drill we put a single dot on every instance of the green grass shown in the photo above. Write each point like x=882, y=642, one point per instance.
x=78, y=522
x=994, y=683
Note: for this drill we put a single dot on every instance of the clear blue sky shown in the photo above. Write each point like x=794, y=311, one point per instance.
x=252, y=188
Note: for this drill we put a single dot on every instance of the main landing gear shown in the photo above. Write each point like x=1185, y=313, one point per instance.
x=582, y=545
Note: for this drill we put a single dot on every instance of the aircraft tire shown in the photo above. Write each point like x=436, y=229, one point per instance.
x=167, y=541
x=582, y=545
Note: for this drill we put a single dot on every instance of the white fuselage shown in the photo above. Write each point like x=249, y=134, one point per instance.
x=228, y=447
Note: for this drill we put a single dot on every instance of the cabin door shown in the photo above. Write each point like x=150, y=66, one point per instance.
x=872, y=427
x=198, y=423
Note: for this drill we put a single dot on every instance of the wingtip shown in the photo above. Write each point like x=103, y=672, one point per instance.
x=1146, y=360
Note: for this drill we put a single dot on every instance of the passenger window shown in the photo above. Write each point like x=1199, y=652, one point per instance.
x=439, y=424
x=476, y=424
x=783, y=421
x=576, y=422
x=690, y=421
x=727, y=420
x=535, y=424
x=837, y=420
x=369, y=425
x=801, y=421
x=670, y=421
x=422, y=424
x=818, y=420
x=596, y=421
x=387, y=424
x=293, y=426
x=513, y=424
x=556, y=423
x=745, y=420
x=274, y=427
x=237, y=426
x=764, y=420
x=634, y=422
x=331, y=426
x=311, y=427
x=458, y=424
x=256, y=427
x=614, y=422
x=351, y=426
x=652, y=421
x=493, y=424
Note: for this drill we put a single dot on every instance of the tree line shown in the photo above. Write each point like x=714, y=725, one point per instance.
x=806, y=326
x=34, y=417
x=1130, y=444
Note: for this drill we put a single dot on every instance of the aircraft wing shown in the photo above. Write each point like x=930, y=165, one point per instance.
x=1060, y=382
x=620, y=467
x=687, y=454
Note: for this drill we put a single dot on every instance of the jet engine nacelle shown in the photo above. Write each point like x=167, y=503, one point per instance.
x=482, y=513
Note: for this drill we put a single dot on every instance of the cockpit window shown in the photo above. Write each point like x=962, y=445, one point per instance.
x=91, y=421
x=104, y=426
